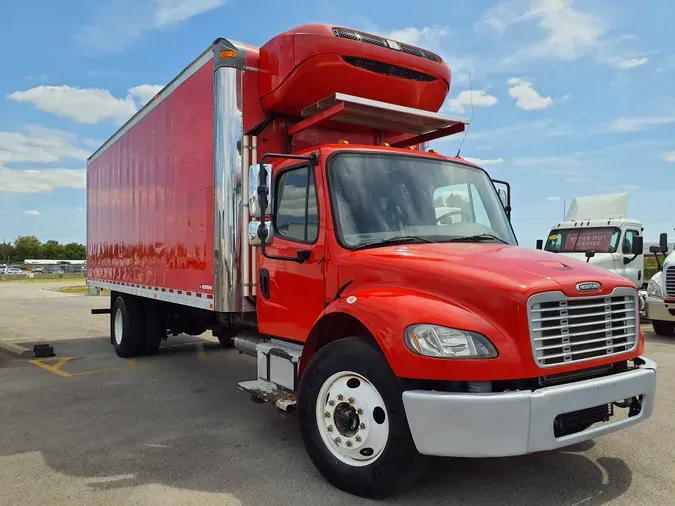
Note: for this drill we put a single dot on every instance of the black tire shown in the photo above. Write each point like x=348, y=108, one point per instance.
x=663, y=328
x=155, y=327
x=399, y=464
x=225, y=338
x=130, y=343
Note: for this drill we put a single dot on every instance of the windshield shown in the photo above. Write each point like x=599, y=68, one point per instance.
x=600, y=240
x=378, y=197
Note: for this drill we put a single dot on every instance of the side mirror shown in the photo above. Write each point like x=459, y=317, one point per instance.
x=540, y=244
x=663, y=243
x=638, y=245
x=504, y=194
x=253, y=183
x=589, y=255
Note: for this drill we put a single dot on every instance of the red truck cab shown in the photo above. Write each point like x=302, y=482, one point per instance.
x=300, y=217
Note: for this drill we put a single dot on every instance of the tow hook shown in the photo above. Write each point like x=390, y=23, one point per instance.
x=633, y=403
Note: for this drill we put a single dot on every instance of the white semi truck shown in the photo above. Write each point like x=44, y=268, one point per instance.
x=597, y=230
x=660, y=299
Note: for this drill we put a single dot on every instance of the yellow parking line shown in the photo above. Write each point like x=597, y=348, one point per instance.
x=56, y=368
x=60, y=362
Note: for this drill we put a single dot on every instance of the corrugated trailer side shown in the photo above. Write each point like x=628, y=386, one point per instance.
x=154, y=219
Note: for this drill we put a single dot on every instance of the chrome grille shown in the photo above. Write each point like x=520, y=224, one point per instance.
x=566, y=330
x=345, y=33
x=670, y=282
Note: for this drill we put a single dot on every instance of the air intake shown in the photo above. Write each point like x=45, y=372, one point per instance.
x=345, y=33
x=388, y=69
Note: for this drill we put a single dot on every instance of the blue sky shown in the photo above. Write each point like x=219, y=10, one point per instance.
x=569, y=97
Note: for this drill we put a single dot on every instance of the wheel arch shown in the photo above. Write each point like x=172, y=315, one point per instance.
x=331, y=327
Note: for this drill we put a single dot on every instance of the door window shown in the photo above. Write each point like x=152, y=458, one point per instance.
x=297, y=215
x=628, y=241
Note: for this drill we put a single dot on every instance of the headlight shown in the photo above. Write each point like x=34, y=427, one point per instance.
x=437, y=341
x=654, y=289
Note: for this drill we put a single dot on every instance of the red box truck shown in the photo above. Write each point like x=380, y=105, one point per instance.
x=284, y=198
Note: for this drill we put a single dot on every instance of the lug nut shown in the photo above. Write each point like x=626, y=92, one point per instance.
x=340, y=397
x=329, y=428
x=359, y=411
x=326, y=414
x=349, y=444
x=331, y=403
x=351, y=400
x=338, y=440
x=362, y=426
x=358, y=439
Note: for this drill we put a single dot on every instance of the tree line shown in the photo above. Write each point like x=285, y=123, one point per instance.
x=31, y=247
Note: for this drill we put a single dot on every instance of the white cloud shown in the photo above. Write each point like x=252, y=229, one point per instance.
x=483, y=162
x=565, y=161
x=628, y=63
x=40, y=180
x=568, y=33
x=171, y=12
x=669, y=157
x=477, y=98
x=92, y=143
x=117, y=23
x=629, y=187
x=31, y=213
x=527, y=98
x=637, y=124
x=79, y=209
x=37, y=144
x=86, y=105
x=145, y=92
x=428, y=35
x=552, y=198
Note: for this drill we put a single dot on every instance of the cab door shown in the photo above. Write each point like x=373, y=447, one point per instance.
x=633, y=270
x=291, y=294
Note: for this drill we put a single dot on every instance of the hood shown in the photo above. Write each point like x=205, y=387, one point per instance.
x=488, y=280
x=451, y=269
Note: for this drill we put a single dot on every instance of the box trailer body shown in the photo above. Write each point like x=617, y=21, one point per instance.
x=283, y=197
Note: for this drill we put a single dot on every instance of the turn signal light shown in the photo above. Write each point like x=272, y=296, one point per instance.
x=228, y=53
x=343, y=141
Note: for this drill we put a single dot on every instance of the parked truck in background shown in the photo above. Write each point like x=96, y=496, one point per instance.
x=660, y=299
x=282, y=198
x=597, y=230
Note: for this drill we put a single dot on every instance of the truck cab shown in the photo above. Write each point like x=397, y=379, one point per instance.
x=596, y=231
x=660, y=296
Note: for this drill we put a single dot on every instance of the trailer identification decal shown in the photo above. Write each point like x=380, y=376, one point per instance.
x=205, y=287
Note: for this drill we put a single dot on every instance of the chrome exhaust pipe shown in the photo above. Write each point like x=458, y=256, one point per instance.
x=247, y=343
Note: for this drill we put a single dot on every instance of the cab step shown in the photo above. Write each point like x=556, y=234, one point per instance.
x=266, y=391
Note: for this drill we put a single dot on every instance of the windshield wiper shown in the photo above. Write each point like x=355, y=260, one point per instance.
x=477, y=238
x=406, y=239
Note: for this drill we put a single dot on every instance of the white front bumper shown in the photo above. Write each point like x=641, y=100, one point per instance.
x=658, y=309
x=514, y=423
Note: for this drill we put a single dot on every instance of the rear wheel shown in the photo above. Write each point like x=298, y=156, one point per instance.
x=353, y=422
x=663, y=328
x=126, y=327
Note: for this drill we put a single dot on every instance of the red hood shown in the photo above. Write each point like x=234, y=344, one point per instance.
x=490, y=280
x=453, y=269
x=489, y=283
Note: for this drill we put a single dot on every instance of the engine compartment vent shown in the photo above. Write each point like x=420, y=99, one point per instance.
x=388, y=69
x=345, y=33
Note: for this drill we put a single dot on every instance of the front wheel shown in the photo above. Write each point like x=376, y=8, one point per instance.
x=353, y=422
x=663, y=328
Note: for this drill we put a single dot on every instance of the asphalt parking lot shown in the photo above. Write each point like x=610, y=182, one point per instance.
x=86, y=427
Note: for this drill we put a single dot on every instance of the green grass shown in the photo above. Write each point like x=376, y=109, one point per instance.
x=650, y=267
x=43, y=280
x=78, y=289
